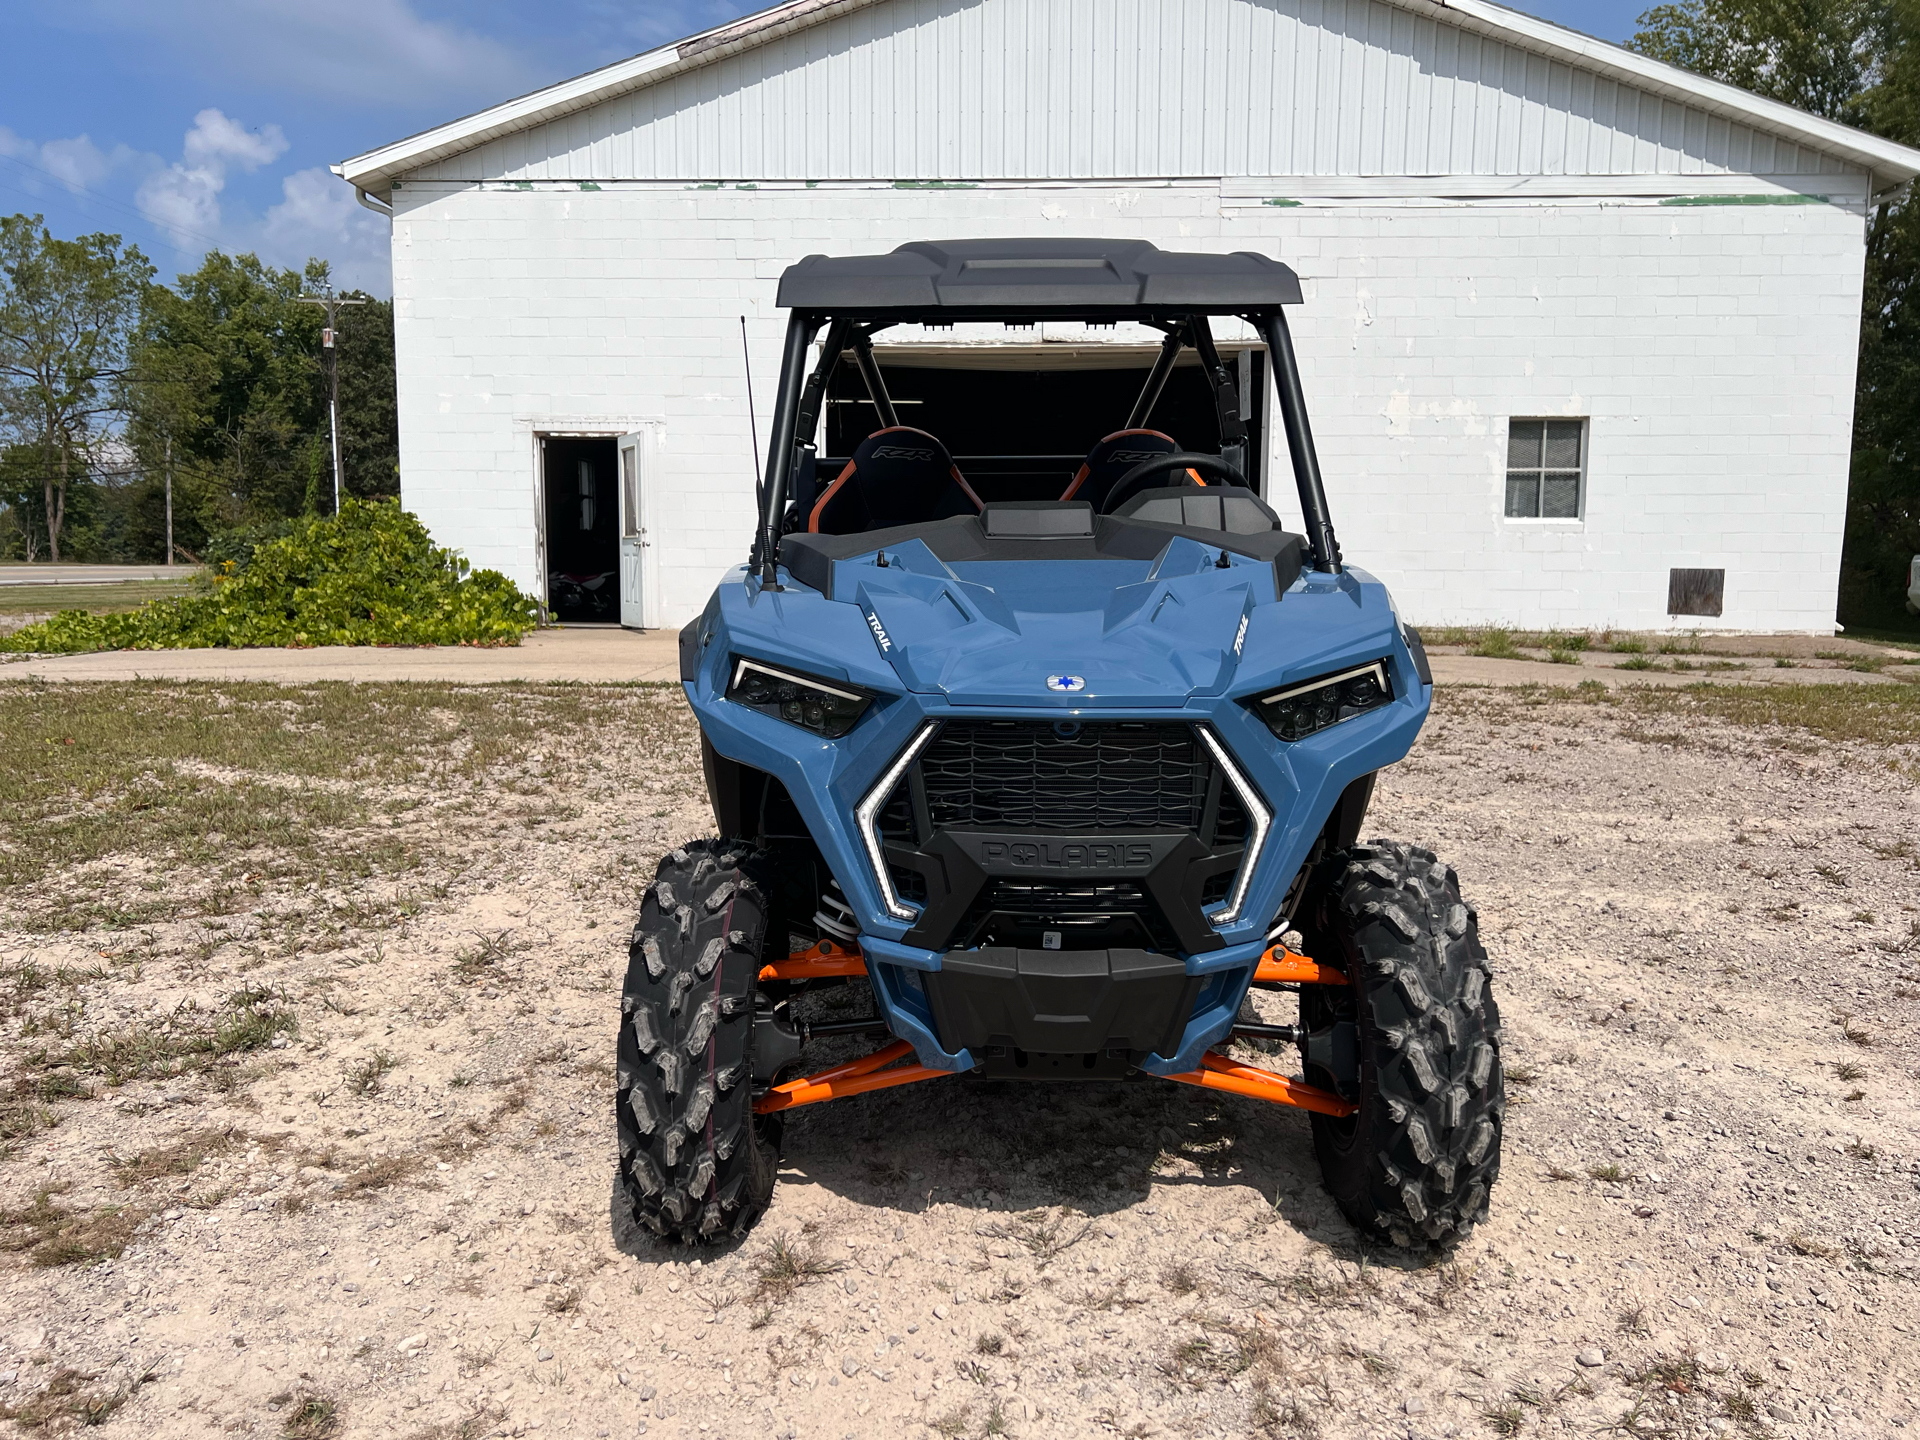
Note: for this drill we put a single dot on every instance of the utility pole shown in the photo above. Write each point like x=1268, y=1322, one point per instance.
x=169, y=497
x=332, y=302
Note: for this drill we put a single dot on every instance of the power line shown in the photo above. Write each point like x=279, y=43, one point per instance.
x=106, y=200
x=332, y=302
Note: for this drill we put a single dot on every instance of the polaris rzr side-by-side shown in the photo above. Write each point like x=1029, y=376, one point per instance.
x=1058, y=778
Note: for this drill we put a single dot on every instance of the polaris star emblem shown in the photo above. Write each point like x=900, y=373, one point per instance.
x=1066, y=684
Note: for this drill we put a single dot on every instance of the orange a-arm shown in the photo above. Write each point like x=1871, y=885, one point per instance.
x=831, y=959
x=828, y=960
x=1280, y=965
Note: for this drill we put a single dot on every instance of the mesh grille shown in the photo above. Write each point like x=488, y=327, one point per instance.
x=1038, y=776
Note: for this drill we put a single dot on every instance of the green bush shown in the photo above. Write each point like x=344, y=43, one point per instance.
x=1496, y=645
x=231, y=551
x=370, y=575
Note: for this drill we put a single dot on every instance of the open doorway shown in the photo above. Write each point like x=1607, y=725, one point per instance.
x=1018, y=420
x=583, y=527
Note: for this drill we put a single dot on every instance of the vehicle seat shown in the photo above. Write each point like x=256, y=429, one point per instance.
x=1112, y=458
x=897, y=476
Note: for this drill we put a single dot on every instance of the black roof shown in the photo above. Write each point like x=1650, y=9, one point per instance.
x=1049, y=278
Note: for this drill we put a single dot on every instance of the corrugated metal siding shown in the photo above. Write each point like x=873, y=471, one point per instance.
x=1091, y=89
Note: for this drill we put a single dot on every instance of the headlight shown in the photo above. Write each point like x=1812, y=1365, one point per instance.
x=1311, y=706
x=821, y=706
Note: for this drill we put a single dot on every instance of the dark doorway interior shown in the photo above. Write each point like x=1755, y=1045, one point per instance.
x=1021, y=434
x=583, y=528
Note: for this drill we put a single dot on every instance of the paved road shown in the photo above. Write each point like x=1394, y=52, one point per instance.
x=612, y=656
x=91, y=574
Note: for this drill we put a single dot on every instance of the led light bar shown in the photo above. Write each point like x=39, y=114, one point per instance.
x=1259, y=817
x=867, y=816
x=1311, y=706
x=804, y=700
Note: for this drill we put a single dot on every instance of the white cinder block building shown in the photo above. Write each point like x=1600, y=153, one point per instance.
x=1579, y=334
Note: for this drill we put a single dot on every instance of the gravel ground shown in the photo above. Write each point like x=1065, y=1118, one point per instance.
x=384, y=1207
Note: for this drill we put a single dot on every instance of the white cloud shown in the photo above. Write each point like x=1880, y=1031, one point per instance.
x=78, y=163
x=216, y=140
x=319, y=216
x=184, y=198
x=381, y=52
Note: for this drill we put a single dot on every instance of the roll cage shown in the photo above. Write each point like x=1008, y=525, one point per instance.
x=1020, y=283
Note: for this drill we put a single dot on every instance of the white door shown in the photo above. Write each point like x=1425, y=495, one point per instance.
x=635, y=561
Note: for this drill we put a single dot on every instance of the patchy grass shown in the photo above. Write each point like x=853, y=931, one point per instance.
x=222, y=788
x=378, y=1174
x=790, y=1262
x=1044, y=1235
x=365, y=1074
x=187, y=1040
x=66, y=1399
x=182, y=1157
x=1496, y=645
x=311, y=1418
x=112, y=597
x=1870, y=714
x=1180, y=1279
x=53, y=1235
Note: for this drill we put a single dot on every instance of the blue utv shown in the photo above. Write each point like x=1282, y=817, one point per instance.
x=1059, y=779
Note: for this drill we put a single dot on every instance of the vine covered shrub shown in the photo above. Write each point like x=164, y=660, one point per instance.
x=370, y=575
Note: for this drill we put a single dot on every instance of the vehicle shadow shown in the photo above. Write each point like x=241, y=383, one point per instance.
x=1022, y=1157
x=1095, y=1147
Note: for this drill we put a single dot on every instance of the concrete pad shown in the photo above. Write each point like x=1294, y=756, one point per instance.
x=610, y=656
x=585, y=656
x=1478, y=670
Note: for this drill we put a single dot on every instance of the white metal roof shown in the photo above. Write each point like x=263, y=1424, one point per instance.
x=1888, y=163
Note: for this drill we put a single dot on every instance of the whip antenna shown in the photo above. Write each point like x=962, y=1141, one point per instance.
x=753, y=425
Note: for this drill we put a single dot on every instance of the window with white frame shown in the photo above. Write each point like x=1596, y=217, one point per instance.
x=1546, y=469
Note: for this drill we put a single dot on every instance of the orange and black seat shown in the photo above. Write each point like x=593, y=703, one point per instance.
x=897, y=476
x=1112, y=458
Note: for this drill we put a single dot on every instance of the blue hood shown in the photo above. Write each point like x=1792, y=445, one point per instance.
x=1090, y=633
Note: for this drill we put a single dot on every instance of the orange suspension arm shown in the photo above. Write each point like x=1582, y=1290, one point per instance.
x=828, y=960
x=856, y=1077
x=1217, y=1072
x=1281, y=964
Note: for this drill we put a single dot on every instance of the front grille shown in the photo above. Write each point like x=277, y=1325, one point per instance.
x=1065, y=777
x=978, y=780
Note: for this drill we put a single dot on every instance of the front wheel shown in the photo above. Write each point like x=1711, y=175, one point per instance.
x=1422, y=1056
x=697, y=1163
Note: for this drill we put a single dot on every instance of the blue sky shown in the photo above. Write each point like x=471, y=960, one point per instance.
x=190, y=123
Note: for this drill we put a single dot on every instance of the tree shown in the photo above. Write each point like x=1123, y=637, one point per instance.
x=67, y=313
x=1821, y=56
x=1858, y=62
x=232, y=386
x=229, y=383
x=369, y=399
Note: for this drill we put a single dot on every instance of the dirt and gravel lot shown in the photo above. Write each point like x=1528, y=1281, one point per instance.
x=307, y=999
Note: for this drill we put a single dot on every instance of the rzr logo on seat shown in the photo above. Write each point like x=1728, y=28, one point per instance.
x=901, y=452
x=1134, y=457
